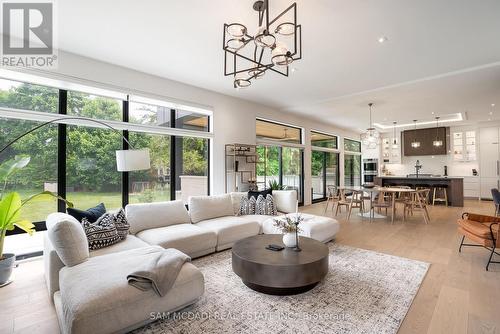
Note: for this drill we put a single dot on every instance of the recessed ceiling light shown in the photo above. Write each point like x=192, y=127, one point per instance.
x=294, y=70
x=382, y=39
x=492, y=104
x=489, y=119
x=432, y=113
x=491, y=112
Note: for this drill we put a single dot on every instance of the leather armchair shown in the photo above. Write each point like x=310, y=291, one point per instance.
x=483, y=230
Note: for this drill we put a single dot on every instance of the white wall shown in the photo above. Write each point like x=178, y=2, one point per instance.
x=233, y=119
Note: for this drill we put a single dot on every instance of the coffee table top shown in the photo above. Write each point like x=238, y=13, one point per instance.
x=253, y=249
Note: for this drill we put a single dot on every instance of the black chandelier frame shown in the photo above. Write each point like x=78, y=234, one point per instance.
x=259, y=68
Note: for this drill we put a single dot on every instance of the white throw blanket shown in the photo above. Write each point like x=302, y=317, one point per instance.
x=160, y=272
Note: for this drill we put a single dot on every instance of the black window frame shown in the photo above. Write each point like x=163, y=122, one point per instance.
x=317, y=200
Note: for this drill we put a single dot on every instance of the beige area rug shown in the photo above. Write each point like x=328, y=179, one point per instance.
x=364, y=292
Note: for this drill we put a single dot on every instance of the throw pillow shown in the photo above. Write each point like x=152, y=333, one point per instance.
x=256, y=194
x=122, y=224
x=102, y=233
x=247, y=206
x=91, y=214
x=265, y=206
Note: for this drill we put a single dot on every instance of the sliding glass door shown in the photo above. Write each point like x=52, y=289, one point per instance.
x=281, y=165
x=352, y=170
x=324, y=173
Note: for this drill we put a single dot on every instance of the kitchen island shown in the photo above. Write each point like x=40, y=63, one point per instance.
x=454, y=185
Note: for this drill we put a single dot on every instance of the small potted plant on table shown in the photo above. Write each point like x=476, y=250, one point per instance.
x=289, y=226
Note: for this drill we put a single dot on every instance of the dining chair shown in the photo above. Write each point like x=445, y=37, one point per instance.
x=353, y=201
x=332, y=196
x=417, y=202
x=383, y=200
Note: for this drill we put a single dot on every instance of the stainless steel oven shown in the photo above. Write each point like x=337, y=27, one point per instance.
x=370, y=166
x=370, y=170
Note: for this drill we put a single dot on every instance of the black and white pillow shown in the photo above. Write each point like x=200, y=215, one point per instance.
x=265, y=206
x=121, y=223
x=247, y=206
x=102, y=233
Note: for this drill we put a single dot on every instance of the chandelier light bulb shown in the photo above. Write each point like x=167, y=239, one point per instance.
x=263, y=38
x=241, y=81
x=236, y=30
x=235, y=43
x=280, y=55
x=285, y=29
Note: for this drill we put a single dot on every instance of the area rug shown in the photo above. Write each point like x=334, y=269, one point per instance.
x=364, y=292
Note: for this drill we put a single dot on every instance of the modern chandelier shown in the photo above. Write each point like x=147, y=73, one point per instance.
x=275, y=44
x=371, y=137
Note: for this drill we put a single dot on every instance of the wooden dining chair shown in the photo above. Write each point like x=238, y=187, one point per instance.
x=350, y=202
x=332, y=196
x=417, y=202
x=383, y=200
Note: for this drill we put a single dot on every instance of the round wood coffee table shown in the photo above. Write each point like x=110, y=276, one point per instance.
x=286, y=272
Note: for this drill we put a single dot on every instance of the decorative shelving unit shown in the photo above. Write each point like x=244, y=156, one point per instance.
x=391, y=150
x=241, y=167
x=464, y=146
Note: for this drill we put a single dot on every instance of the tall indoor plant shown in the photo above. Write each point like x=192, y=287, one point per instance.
x=10, y=212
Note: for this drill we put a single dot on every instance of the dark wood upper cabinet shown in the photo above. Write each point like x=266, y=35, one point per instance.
x=426, y=138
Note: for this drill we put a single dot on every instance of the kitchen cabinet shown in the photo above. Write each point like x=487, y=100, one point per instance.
x=489, y=161
x=391, y=150
x=464, y=146
x=426, y=137
x=471, y=186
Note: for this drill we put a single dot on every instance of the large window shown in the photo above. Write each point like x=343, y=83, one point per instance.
x=281, y=165
x=352, y=145
x=319, y=139
x=267, y=130
x=324, y=173
x=91, y=175
x=86, y=173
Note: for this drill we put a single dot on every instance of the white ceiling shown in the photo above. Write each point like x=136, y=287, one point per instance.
x=442, y=56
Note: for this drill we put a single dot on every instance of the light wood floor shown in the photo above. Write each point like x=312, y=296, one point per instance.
x=457, y=295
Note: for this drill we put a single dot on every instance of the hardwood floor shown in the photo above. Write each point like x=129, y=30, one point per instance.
x=456, y=296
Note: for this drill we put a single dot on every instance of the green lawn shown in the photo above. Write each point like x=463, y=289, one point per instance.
x=38, y=209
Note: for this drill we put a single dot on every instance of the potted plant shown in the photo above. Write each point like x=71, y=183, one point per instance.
x=289, y=228
x=275, y=185
x=10, y=213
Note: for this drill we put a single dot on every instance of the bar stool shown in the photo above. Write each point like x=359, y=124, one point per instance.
x=437, y=190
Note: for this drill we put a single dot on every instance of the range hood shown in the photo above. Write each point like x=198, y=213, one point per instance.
x=426, y=138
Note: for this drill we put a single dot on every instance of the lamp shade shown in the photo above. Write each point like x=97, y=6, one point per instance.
x=131, y=160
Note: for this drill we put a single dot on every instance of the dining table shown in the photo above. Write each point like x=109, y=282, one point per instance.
x=374, y=190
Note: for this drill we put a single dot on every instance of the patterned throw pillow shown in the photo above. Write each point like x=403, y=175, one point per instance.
x=247, y=206
x=102, y=233
x=121, y=223
x=266, y=206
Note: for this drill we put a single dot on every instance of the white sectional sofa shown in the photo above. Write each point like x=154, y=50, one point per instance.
x=210, y=225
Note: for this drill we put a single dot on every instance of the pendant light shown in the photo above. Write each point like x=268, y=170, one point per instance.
x=371, y=137
x=394, y=139
x=437, y=142
x=415, y=143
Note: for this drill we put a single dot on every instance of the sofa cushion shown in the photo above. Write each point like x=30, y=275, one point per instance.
x=130, y=242
x=68, y=238
x=230, y=229
x=91, y=214
x=109, y=304
x=247, y=206
x=208, y=207
x=152, y=215
x=256, y=194
x=122, y=224
x=188, y=238
x=286, y=200
x=316, y=227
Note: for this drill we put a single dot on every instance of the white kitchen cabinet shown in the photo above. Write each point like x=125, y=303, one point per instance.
x=471, y=187
x=489, y=162
x=391, y=150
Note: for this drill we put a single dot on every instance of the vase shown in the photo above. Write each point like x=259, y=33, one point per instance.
x=289, y=239
x=6, y=265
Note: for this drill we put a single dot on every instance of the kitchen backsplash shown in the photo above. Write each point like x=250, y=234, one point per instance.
x=432, y=165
